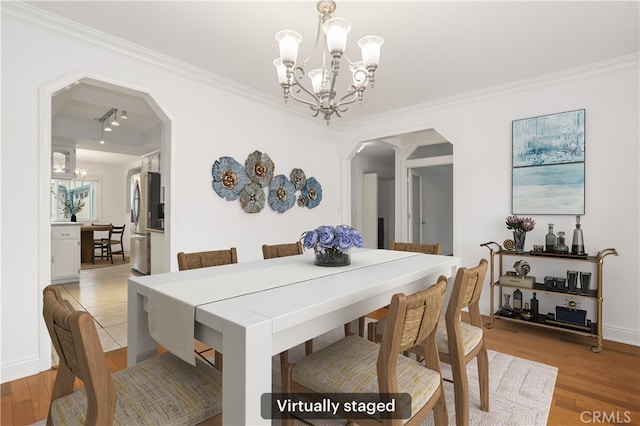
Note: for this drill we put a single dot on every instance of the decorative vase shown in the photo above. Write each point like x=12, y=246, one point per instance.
x=518, y=239
x=332, y=257
x=506, y=301
x=73, y=218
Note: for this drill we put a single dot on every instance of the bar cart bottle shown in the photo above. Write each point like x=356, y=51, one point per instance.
x=517, y=300
x=534, y=307
x=550, y=240
x=560, y=246
x=577, y=245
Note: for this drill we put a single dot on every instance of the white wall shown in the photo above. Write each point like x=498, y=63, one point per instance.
x=208, y=122
x=479, y=127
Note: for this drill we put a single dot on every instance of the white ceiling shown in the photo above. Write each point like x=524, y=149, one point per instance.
x=432, y=50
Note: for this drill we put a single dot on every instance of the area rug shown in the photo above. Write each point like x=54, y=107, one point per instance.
x=103, y=263
x=520, y=391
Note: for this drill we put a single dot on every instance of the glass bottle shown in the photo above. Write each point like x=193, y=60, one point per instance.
x=550, y=240
x=517, y=300
x=560, y=246
x=577, y=245
x=506, y=302
x=534, y=307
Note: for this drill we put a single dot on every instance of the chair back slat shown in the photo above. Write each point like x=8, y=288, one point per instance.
x=117, y=231
x=416, y=248
x=205, y=259
x=423, y=311
x=467, y=287
x=411, y=321
x=281, y=250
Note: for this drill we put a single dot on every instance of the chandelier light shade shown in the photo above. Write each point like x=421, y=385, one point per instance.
x=288, y=42
x=336, y=31
x=370, y=46
x=322, y=97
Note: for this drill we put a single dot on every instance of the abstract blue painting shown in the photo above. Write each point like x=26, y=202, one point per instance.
x=548, y=164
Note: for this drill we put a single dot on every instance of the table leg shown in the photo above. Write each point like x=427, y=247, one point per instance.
x=247, y=370
x=86, y=246
x=140, y=345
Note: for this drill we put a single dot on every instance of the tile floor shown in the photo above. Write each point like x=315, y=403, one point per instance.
x=103, y=293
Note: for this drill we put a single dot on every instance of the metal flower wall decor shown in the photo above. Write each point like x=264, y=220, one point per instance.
x=281, y=194
x=228, y=178
x=232, y=181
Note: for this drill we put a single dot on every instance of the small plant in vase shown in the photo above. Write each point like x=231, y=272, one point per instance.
x=332, y=245
x=69, y=207
x=520, y=226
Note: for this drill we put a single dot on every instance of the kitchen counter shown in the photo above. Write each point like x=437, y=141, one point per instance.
x=66, y=223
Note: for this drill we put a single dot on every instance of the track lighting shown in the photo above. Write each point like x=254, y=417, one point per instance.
x=110, y=118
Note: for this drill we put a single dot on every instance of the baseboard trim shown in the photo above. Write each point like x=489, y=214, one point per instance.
x=19, y=368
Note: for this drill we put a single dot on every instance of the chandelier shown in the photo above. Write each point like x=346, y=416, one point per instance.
x=332, y=38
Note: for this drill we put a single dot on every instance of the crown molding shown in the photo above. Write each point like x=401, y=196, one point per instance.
x=89, y=36
x=83, y=34
x=609, y=65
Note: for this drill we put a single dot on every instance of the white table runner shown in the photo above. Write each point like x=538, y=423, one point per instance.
x=172, y=306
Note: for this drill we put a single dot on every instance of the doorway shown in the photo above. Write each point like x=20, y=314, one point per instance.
x=86, y=98
x=133, y=135
x=418, y=168
x=373, y=193
x=429, y=165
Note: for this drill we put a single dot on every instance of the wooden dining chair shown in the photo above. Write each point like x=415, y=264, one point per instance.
x=354, y=365
x=100, y=241
x=116, y=235
x=460, y=342
x=204, y=259
x=416, y=247
x=280, y=250
x=160, y=390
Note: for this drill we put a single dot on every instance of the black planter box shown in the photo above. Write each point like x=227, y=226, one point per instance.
x=572, y=316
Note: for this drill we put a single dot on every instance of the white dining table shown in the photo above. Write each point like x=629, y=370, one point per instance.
x=264, y=307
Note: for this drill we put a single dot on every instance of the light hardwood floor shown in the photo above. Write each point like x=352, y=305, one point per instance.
x=602, y=388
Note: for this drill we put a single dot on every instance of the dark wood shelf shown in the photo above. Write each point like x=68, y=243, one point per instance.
x=559, y=256
x=564, y=326
x=539, y=287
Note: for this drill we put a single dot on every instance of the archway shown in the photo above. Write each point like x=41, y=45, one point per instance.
x=396, y=158
x=46, y=111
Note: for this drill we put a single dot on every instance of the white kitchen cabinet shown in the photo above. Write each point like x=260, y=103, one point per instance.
x=65, y=253
x=63, y=160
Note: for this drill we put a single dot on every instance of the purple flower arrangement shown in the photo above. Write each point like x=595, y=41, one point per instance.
x=333, y=239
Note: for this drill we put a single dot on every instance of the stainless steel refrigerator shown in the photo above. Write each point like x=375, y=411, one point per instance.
x=145, y=202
